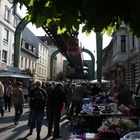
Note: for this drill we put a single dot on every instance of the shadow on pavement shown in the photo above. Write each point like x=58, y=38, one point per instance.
x=8, y=119
x=24, y=138
x=10, y=131
x=17, y=132
x=6, y=128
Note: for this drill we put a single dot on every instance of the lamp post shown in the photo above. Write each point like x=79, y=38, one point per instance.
x=99, y=39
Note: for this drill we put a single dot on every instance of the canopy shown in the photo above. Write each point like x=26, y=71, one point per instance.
x=16, y=75
x=96, y=81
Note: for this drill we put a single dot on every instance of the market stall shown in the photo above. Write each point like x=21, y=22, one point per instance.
x=103, y=122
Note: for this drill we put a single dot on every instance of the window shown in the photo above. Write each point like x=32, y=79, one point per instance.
x=12, y=60
x=32, y=65
x=21, y=62
x=27, y=46
x=41, y=48
x=6, y=35
x=30, y=47
x=39, y=70
x=15, y=22
x=7, y=14
x=46, y=52
x=123, y=43
x=45, y=72
x=34, y=50
x=23, y=44
x=29, y=64
x=46, y=62
x=40, y=59
x=4, y=56
x=35, y=65
x=25, y=63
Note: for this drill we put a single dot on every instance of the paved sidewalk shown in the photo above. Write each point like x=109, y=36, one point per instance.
x=9, y=131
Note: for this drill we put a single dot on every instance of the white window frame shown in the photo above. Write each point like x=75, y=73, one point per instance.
x=6, y=35
x=4, y=56
x=7, y=14
x=16, y=21
x=21, y=62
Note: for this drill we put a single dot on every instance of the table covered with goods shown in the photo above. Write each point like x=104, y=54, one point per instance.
x=102, y=122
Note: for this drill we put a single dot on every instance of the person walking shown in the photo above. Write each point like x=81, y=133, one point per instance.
x=1, y=99
x=8, y=91
x=49, y=89
x=56, y=101
x=38, y=97
x=18, y=101
x=78, y=93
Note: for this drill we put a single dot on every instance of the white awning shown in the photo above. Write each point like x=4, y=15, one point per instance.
x=102, y=81
x=16, y=75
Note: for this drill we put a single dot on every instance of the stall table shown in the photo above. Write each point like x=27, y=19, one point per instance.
x=95, y=120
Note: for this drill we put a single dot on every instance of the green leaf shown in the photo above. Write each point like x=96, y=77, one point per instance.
x=40, y=20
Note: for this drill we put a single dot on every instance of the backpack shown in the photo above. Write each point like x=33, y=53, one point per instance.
x=38, y=99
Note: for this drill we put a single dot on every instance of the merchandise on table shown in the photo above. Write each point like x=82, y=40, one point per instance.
x=85, y=136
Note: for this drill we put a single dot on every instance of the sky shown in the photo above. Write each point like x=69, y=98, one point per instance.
x=88, y=41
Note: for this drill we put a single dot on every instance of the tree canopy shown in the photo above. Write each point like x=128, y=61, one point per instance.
x=97, y=15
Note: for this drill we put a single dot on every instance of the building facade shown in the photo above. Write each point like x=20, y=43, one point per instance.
x=57, y=60
x=33, y=52
x=121, y=58
x=8, y=22
x=29, y=52
x=42, y=72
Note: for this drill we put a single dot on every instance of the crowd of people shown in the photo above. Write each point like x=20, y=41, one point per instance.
x=51, y=98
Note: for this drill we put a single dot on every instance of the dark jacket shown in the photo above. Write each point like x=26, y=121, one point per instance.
x=38, y=97
x=18, y=97
x=124, y=97
x=56, y=99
